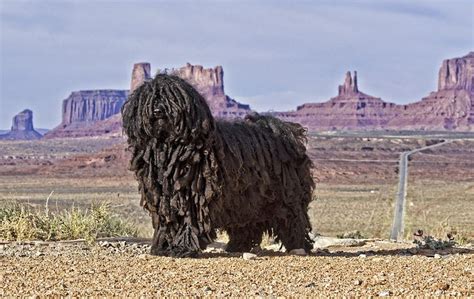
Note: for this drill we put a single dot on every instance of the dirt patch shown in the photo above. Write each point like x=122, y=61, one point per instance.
x=378, y=268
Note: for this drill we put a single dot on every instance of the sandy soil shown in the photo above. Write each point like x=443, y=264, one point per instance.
x=119, y=269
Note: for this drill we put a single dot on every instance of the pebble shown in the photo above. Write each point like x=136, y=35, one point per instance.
x=384, y=293
x=249, y=256
x=437, y=256
x=362, y=255
x=274, y=247
x=324, y=242
x=441, y=286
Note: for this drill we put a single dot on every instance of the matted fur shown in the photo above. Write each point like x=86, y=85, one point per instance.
x=197, y=174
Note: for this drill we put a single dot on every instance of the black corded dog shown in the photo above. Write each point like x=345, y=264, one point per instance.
x=197, y=174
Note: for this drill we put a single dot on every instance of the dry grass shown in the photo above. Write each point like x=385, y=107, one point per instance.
x=21, y=222
x=59, y=147
x=439, y=208
x=79, y=192
x=338, y=209
x=436, y=207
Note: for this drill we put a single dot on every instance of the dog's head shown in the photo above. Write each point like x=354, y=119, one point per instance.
x=169, y=109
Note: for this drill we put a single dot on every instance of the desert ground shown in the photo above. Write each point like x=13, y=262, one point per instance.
x=377, y=268
x=356, y=182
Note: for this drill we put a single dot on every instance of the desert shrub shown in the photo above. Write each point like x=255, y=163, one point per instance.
x=351, y=235
x=20, y=222
x=430, y=242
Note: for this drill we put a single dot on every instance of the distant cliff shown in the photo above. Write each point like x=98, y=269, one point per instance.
x=451, y=107
x=457, y=73
x=97, y=112
x=141, y=72
x=22, y=127
x=85, y=107
x=210, y=84
x=350, y=109
x=92, y=105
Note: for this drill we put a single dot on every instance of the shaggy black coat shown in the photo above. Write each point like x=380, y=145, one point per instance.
x=197, y=174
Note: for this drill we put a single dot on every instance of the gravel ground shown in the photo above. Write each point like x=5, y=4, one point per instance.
x=125, y=269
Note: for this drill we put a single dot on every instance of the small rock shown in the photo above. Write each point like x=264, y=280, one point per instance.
x=104, y=243
x=441, y=286
x=324, y=242
x=438, y=293
x=249, y=256
x=362, y=255
x=437, y=256
x=384, y=293
x=274, y=247
x=310, y=285
x=299, y=251
x=413, y=250
x=39, y=253
x=357, y=282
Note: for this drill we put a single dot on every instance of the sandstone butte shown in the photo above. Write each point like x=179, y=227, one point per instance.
x=451, y=107
x=22, y=127
x=97, y=112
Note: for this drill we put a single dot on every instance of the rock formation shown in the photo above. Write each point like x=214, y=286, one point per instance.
x=97, y=112
x=449, y=108
x=22, y=127
x=350, y=109
x=350, y=86
x=92, y=105
x=141, y=72
x=210, y=84
x=85, y=107
x=457, y=73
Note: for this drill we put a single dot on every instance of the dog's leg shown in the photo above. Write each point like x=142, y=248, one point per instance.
x=293, y=232
x=159, y=245
x=243, y=239
x=183, y=244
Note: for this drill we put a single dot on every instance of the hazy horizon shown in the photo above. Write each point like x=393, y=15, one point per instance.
x=275, y=55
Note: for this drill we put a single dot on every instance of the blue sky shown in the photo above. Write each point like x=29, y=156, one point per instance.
x=276, y=55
